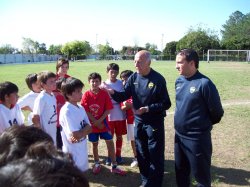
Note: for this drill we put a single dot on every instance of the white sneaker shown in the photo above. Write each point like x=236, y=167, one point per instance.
x=134, y=163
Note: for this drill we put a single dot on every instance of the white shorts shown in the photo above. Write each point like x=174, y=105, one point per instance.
x=130, y=132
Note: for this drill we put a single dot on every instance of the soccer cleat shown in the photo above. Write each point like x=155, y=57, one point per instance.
x=96, y=168
x=119, y=160
x=134, y=163
x=108, y=161
x=118, y=171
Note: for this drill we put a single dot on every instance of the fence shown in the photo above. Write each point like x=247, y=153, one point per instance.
x=25, y=58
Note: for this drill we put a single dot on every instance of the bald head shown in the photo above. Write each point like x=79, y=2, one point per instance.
x=142, y=62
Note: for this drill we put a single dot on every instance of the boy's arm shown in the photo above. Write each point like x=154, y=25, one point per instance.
x=78, y=135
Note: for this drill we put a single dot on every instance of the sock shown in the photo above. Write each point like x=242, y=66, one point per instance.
x=118, y=147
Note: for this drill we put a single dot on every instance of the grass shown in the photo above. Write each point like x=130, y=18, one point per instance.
x=231, y=137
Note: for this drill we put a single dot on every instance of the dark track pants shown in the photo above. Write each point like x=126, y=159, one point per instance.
x=150, y=146
x=193, y=156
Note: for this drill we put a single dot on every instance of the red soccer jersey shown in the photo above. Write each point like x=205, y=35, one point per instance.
x=129, y=113
x=60, y=101
x=97, y=104
x=65, y=76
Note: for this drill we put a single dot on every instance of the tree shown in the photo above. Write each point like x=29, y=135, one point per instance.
x=152, y=48
x=105, y=50
x=200, y=40
x=170, y=50
x=28, y=45
x=7, y=49
x=235, y=33
x=33, y=47
x=55, y=49
x=76, y=49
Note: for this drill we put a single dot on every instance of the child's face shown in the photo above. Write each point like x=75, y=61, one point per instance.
x=112, y=74
x=94, y=84
x=50, y=85
x=76, y=96
x=124, y=79
x=63, y=69
x=36, y=87
x=11, y=98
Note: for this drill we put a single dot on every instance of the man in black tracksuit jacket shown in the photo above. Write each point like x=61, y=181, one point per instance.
x=198, y=107
x=150, y=101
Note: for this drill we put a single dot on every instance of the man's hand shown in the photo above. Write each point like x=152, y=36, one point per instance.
x=141, y=110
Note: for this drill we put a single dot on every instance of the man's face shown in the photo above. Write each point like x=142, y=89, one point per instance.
x=183, y=66
x=141, y=64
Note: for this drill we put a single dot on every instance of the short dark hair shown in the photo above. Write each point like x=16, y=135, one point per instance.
x=126, y=73
x=60, y=62
x=113, y=66
x=16, y=140
x=43, y=165
x=94, y=76
x=59, y=82
x=45, y=75
x=190, y=55
x=31, y=79
x=70, y=85
x=7, y=88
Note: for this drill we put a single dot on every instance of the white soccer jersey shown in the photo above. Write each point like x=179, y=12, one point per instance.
x=116, y=114
x=28, y=100
x=74, y=118
x=45, y=107
x=9, y=117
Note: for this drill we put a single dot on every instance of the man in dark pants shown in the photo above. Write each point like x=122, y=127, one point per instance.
x=150, y=101
x=198, y=108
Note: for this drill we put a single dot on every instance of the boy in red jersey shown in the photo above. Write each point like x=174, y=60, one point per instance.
x=97, y=104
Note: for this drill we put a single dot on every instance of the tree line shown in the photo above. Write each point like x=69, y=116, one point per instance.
x=235, y=36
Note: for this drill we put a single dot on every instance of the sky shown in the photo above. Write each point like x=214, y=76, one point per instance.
x=118, y=22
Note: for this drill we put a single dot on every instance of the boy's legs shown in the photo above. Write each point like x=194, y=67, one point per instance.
x=93, y=138
x=118, y=128
x=131, y=138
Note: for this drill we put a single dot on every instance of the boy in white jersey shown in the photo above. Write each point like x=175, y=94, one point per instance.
x=10, y=113
x=28, y=100
x=44, y=112
x=75, y=123
x=117, y=117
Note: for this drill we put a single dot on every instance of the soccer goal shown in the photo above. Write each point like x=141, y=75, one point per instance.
x=228, y=55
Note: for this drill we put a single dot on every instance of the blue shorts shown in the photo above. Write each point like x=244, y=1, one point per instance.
x=94, y=137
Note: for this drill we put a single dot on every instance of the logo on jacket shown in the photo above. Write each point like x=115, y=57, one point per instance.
x=192, y=89
x=150, y=85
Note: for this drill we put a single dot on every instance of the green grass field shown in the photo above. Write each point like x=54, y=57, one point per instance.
x=231, y=137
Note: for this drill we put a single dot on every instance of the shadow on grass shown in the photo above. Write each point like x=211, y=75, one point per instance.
x=230, y=176
x=227, y=176
x=132, y=179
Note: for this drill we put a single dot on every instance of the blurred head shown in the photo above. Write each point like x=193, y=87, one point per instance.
x=72, y=89
x=62, y=67
x=32, y=82
x=125, y=75
x=8, y=93
x=16, y=140
x=43, y=165
x=187, y=62
x=113, y=71
x=142, y=62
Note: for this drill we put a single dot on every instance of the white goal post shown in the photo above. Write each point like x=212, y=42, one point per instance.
x=228, y=55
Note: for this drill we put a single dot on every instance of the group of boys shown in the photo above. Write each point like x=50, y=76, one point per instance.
x=94, y=114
